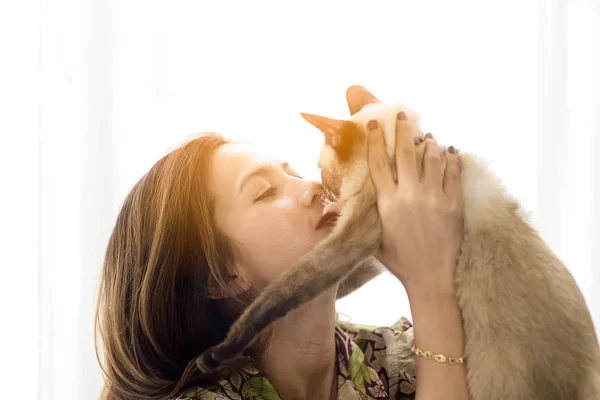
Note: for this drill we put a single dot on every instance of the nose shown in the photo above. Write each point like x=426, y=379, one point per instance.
x=310, y=194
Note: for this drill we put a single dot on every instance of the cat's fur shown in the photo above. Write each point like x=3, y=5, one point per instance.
x=528, y=332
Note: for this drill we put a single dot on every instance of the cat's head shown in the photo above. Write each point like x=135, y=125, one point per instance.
x=344, y=142
x=343, y=158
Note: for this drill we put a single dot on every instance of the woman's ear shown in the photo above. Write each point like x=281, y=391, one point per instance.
x=234, y=286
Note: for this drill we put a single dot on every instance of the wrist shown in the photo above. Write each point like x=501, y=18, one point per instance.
x=437, y=322
x=431, y=291
x=426, y=277
x=433, y=305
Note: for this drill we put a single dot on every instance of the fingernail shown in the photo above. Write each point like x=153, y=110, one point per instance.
x=401, y=116
x=429, y=136
x=451, y=150
x=417, y=140
x=372, y=124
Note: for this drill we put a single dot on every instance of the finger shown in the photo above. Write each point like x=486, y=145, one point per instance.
x=452, y=177
x=433, y=165
x=419, y=153
x=358, y=97
x=379, y=165
x=406, y=159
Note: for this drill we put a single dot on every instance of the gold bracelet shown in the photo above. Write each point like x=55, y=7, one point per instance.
x=437, y=357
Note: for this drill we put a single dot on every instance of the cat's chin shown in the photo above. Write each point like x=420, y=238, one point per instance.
x=331, y=212
x=334, y=207
x=328, y=220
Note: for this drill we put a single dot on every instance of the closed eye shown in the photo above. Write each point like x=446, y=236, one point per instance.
x=290, y=171
x=267, y=194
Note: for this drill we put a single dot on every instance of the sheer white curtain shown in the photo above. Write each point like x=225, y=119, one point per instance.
x=94, y=92
x=568, y=203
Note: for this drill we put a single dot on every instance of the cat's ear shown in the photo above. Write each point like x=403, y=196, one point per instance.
x=331, y=128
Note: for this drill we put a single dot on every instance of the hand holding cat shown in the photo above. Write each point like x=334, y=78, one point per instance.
x=421, y=214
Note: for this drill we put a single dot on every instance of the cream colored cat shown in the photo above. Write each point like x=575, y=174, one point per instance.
x=529, y=334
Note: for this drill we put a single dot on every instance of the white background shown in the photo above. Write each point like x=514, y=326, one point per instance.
x=93, y=92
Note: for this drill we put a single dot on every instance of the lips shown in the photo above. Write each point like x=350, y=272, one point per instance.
x=327, y=220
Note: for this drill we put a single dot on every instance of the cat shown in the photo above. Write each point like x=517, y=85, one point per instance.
x=528, y=331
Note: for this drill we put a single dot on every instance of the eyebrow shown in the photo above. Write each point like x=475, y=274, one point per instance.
x=263, y=170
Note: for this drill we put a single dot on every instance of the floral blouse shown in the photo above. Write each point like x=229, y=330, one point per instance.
x=373, y=363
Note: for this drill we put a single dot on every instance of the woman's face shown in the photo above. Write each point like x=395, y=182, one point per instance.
x=266, y=210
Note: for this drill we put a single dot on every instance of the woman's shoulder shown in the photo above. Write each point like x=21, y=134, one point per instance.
x=259, y=388
x=384, y=350
x=200, y=393
x=247, y=382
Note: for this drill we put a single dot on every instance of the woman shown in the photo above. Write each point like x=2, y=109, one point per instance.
x=213, y=223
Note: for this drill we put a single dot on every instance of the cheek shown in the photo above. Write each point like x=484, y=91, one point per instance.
x=268, y=243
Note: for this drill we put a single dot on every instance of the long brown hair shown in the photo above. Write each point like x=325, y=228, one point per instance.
x=153, y=314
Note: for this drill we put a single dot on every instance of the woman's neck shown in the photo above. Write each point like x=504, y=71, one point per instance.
x=300, y=355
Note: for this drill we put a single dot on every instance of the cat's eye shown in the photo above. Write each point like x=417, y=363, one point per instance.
x=267, y=194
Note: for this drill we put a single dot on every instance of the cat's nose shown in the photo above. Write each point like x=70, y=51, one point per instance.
x=311, y=194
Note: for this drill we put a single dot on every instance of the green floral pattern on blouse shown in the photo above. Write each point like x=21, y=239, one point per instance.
x=373, y=363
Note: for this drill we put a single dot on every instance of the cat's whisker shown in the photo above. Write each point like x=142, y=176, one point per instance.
x=326, y=196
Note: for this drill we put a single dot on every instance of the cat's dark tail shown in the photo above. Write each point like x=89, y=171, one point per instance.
x=326, y=265
x=360, y=275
